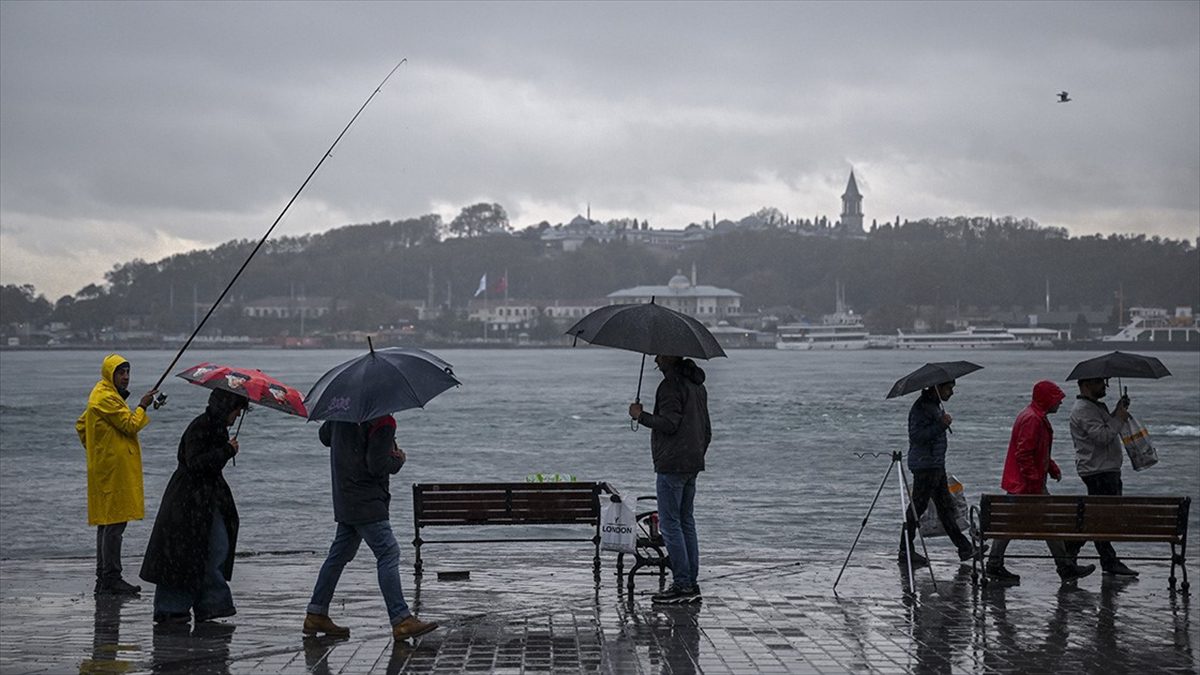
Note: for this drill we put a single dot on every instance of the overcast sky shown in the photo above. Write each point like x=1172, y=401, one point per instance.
x=141, y=130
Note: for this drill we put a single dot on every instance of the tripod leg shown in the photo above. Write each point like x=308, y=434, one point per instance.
x=921, y=537
x=864, y=522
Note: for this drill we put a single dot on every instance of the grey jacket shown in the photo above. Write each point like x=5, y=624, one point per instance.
x=680, y=430
x=1097, y=437
x=361, y=464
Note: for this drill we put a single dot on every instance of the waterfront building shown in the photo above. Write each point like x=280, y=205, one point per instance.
x=709, y=304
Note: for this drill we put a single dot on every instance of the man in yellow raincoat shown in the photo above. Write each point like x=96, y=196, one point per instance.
x=108, y=431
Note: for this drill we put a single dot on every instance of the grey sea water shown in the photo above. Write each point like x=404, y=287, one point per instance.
x=783, y=477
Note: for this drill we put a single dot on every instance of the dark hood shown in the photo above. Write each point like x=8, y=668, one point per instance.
x=688, y=370
x=221, y=403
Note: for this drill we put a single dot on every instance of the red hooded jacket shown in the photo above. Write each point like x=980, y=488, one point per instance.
x=1028, y=461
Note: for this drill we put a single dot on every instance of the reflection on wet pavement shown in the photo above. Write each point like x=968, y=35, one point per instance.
x=766, y=615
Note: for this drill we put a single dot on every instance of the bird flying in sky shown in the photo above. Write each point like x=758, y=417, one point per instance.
x=1063, y=97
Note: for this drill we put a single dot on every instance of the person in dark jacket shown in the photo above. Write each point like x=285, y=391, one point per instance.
x=190, y=553
x=362, y=459
x=680, y=432
x=927, y=425
x=1026, y=467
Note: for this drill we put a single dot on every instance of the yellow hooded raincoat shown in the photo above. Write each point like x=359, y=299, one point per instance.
x=108, y=431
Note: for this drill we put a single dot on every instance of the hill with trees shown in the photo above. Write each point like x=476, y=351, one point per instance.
x=961, y=262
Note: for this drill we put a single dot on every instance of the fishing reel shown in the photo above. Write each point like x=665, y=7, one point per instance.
x=159, y=401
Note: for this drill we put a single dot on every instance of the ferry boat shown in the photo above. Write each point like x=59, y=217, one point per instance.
x=841, y=330
x=1152, y=328
x=970, y=338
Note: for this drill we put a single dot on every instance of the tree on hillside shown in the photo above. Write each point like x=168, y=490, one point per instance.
x=481, y=218
x=22, y=304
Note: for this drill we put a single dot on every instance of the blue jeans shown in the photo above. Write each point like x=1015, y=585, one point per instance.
x=213, y=597
x=676, y=498
x=382, y=542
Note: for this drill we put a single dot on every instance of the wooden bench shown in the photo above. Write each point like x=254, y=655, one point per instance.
x=1083, y=518
x=458, y=504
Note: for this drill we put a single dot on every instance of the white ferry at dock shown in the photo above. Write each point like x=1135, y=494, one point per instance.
x=970, y=338
x=841, y=330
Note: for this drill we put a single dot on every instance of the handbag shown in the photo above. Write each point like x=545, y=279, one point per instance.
x=1136, y=440
x=618, y=528
x=931, y=524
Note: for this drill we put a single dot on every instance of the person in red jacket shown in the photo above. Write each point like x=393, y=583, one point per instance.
x=1025, y=469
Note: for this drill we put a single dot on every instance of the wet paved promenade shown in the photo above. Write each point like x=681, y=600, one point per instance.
x=535, y=616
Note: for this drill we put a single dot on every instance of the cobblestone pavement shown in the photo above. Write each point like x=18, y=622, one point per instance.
x=528, y=614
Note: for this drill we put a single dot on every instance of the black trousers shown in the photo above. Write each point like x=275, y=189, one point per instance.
x=1107, y=483
x=108, y=551
x=930, y=484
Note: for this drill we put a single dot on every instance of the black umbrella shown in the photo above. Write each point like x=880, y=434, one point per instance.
x=931, y=375
x=1119, y=364
x=378, y=383
x=647, y=328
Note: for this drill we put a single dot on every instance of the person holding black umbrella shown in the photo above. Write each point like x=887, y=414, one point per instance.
x=1099, y=453
x=680, y=431
x=928, y=423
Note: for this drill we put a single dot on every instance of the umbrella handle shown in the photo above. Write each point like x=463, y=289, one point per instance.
x=633, y=424
x=237, y=431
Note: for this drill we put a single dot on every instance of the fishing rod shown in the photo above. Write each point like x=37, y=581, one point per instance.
x=162, y=397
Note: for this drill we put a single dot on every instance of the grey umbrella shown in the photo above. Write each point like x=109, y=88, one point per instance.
x=648, y=328
x=380, y=382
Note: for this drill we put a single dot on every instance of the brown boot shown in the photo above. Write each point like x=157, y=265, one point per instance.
x=319, y=623
x=411, y=627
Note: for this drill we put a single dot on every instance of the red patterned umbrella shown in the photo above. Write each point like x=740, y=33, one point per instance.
x=255, y=385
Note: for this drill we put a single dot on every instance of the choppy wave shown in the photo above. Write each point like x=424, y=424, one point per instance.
x=1181, y=430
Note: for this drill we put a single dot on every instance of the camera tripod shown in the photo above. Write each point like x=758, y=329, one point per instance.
x=905, y=500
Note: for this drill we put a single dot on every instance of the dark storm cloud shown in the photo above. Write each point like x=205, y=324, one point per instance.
x=143, y=129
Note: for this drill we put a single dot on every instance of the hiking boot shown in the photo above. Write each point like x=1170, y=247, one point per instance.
x=917, y=559
x=1119, y=569
x=411, y=627
x=1001, y=573
x=320, y=623
x=171, y=618
x=117, y=587
x=1075, y=572
x=220, y=614
x=675, y=595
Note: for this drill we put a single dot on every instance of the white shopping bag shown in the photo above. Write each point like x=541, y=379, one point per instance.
x=618, y=529
x=931, y=525
x=1136, y=440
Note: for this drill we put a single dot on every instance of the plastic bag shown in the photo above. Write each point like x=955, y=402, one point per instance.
x=1136, y=440
x=618, y=527
x=931, y=525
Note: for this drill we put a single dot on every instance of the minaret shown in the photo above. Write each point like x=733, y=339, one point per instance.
x=852, y=214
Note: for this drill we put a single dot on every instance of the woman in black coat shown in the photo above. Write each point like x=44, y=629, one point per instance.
x=190, y=553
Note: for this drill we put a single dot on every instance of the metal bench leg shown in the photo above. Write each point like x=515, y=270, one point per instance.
x=417, y=566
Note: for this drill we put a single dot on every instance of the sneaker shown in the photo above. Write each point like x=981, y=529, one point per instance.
x=1119, y=569
x=320, y=623
x=917, y=559
x=674, y=595
x=1001, y=573
x=411, y=627
x=1075, y=572
x=118, y=587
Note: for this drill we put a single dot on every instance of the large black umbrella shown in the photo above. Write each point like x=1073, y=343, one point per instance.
x=931, y=375
x=1119, y=364
x=380, y=382
x=647, y=328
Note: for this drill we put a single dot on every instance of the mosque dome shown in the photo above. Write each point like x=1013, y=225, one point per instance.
x=679, y=282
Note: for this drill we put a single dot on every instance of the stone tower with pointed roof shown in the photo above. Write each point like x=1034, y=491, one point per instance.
x=852, y=214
